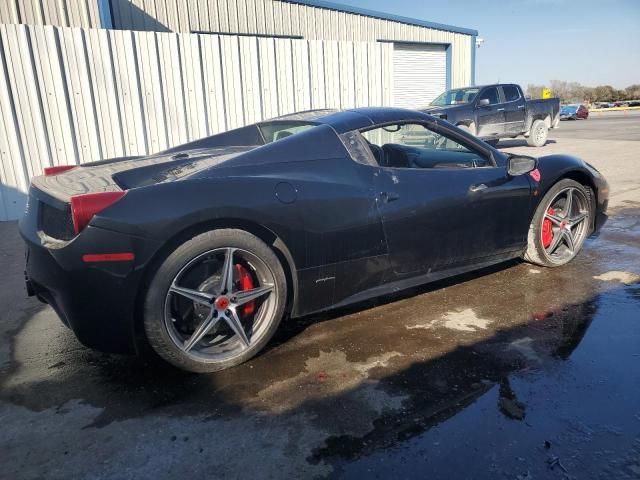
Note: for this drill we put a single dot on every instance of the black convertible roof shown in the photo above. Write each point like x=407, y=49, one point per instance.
x=346, y=120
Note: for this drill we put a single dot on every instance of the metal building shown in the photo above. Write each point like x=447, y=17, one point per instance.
x=429, y=57
x=84, y=80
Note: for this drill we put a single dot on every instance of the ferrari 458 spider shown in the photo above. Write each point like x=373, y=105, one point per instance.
x=201, y=250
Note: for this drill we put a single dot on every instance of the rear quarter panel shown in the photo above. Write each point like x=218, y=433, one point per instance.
x=323, y=210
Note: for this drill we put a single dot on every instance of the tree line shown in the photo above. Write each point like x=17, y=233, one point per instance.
x=576, y=92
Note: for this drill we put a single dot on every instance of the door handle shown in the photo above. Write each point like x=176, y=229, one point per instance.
x=500, y=110
x=478, y=188
x=387, y=197
x=520, y=107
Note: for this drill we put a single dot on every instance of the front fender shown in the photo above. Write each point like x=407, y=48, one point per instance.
x=554, y=168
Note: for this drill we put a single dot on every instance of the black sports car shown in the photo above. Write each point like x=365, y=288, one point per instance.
x=201, y=250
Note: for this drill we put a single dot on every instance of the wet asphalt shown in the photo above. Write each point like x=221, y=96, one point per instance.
x=514, y=372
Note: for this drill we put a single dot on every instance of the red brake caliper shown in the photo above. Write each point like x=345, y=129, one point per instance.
x=547, y=231
x=246, y=283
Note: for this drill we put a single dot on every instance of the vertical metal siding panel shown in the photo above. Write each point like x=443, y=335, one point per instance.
x=387, y=74
x=278, y=13
x=374, y=54
x=302, y=87
x=194, y=89
x=316, y=65
x=224, y=15
x=361, y=70
x=250, y=79
x=241, y=12
x=54, y=101
x=184, y=16
x=269, y=16
x=165, y=12
x=80, y=94
x=7, y=12
x=13, y=175
x=126, y=10
x=153, y=14
x=250, y=12
x=232, y=8
x=29, y=13
x=260, y=14
x=129, y=95
x=347, y=75
x=214, y=88
x=171, y=15
x=26, y=102
x=232, y=81
x=102, y=74
x=152, y=93
x=174, y=105
x=332, y=74
x=117, y=12
x=268, y=77
x=284, y=69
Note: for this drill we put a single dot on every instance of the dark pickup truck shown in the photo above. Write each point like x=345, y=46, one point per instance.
x=492, y=112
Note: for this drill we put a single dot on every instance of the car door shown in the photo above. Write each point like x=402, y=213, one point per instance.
x=489, y=113
x=514, y=110
x=442, y=200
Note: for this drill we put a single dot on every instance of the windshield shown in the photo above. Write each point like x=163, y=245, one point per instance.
x=456, y=97
x=569, y=109
x=274, y=131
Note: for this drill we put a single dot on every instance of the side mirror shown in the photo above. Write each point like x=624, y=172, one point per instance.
x=483, y=102
x=519, y=165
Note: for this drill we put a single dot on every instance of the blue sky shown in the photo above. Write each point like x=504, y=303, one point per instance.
x=594, y=42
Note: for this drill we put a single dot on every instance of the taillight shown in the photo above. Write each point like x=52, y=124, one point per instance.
x=84, y=207
x=49, y=171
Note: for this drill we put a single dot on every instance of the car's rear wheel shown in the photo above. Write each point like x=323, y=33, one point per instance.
x=560, y=225
x=215, y=302
x=538, y=134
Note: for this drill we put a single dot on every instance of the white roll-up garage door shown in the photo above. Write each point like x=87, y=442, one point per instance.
x=420, y=74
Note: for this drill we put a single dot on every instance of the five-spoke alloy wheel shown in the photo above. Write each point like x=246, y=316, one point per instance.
x=561, y=224
x=223, y=297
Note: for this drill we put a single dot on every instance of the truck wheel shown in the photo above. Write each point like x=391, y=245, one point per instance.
x=538, y=134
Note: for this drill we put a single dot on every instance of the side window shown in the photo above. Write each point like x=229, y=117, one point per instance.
x=511, y=93
x=491, y=94
x=413, y=145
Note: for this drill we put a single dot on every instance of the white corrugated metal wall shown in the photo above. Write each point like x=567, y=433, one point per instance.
x=70, y=95
x=61, y=13
x=275, y=17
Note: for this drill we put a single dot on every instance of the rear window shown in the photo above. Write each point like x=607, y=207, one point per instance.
x=274, y=131
x=511, y=93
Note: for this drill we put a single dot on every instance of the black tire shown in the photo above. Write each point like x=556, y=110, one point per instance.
x=493, y=143
x=536, y=252
x=538, y=134
x=155, y=326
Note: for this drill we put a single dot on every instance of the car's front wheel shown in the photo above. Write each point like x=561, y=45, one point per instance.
x=560, y=225
x=215, y=301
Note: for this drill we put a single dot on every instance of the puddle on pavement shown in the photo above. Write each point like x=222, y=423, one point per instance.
x=575, y=385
